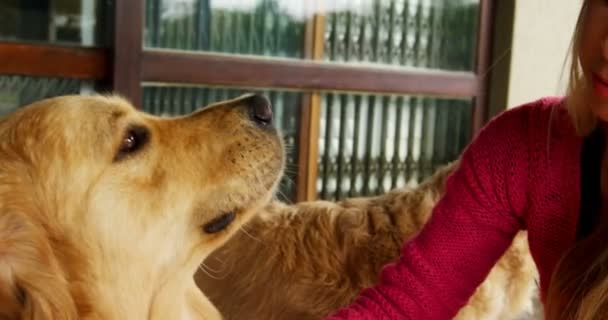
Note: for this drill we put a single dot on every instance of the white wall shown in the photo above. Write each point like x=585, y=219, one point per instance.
x=542, y=33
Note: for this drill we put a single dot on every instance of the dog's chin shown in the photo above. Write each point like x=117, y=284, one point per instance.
x=239, y=207
x=227, y=220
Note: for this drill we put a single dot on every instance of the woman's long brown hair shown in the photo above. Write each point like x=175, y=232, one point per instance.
x=579, y=284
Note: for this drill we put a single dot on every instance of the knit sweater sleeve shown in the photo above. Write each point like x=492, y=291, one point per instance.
x=470, y=228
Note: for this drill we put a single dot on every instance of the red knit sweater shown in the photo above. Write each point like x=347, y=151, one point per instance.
x=519, y=173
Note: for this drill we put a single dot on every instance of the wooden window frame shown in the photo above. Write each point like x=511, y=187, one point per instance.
x=128, y=64
x=54, y=61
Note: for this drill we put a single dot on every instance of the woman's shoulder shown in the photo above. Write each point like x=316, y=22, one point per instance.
x=526, y=129
x=542, y=107
x=532, y=119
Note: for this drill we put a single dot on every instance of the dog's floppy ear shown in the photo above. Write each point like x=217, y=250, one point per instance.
x=32, y=285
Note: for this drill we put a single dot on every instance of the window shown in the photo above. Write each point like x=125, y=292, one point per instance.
x=371, y=94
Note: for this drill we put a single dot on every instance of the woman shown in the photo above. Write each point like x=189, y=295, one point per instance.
x=535, y=167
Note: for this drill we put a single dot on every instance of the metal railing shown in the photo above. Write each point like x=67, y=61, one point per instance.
x=370, y=144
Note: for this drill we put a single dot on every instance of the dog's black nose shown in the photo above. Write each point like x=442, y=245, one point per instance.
x=260, y=109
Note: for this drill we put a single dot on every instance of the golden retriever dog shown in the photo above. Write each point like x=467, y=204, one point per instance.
x=107, y=212
x=308, y=260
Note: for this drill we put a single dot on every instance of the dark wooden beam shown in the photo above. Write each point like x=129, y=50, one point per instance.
x=40, y=60
x=502, y=42
x=483, y=64
x=245, y=71
x=128, y=47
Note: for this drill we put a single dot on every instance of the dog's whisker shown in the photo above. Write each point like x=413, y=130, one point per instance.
x=290, y=171
x=208, y=268
x=259, y=180
x=202, y=267
x=219, y=260
x=285, y=197
x=242, y=229
x=285, y=182
x=289, y=179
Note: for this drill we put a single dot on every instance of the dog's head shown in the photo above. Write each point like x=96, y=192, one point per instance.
x=100, y=202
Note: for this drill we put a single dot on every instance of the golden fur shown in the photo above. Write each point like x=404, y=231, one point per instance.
x=94, y=228
x=305, y=261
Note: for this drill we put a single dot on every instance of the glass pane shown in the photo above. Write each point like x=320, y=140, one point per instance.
x=258, y=27
x=437, y=34
x=171, y=100
x=61, y=21
x=17, y=91
x=370, y=144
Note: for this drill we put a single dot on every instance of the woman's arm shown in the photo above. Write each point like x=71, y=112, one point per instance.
x=470, y=228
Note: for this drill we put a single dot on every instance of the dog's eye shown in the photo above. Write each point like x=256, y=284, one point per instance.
x=134, y=139
x=220, y=223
